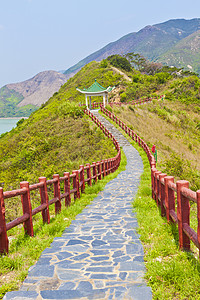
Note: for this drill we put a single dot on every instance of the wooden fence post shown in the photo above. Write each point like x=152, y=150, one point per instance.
x=103, y=168
x=153, y=170
x=56, y=186
x=94, y=170
x=183, y=214
x=67, y=189
x=76, y=184
x=82, y=178
x=99, y=169
x=198, y=217
x=162, y=194
x=106, y=167
x=44, y=200
x=157, y=186
x=89, y=174
x=3, y=234
x=169, y=197
x=27, y=209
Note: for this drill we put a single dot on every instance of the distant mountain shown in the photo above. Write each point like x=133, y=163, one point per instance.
x=151, y=41
x=186, y=53
x=20, y=99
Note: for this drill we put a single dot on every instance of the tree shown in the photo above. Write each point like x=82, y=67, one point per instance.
x=136, y=60
x=119, y=61
x=142, y=64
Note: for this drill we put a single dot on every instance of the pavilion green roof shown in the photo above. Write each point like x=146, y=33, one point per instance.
x=96, y=88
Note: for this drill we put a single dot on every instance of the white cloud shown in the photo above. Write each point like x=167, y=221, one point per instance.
x=1, y=27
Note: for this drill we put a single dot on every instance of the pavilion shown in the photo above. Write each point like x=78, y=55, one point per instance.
x=96, y=90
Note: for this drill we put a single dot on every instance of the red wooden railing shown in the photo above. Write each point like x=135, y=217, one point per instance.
x=172, y=198
x=93, y=105
x=73, y=184
x=134, y=102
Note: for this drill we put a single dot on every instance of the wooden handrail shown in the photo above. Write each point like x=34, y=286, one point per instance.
x=99, y=170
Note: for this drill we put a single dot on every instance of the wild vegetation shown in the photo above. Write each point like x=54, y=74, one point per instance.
x=171, y=123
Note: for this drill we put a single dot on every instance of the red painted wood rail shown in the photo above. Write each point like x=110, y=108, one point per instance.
x=72, y=184
x=172, y=198
x=134, y=102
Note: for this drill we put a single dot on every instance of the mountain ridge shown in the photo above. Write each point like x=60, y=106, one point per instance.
x=151, y=41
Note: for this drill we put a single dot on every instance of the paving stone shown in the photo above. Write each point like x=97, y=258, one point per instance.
x=140, y=291
x=81, y=256
x=67, y=286
x=64, y=274
x=75, y=242
x=100, y=258
x=40, y=271
x=70, y=265
x=63, y=255
x=20, y=295
x=122, y=258
x=61, y=294
x=100, y=252
x=85, y=286
x=131, y=266
x=122, y=275
x=103, y=276
x=97, y=243
x=118, y=253
x=100, y=269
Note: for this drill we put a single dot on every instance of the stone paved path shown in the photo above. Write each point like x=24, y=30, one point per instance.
x=100, y=255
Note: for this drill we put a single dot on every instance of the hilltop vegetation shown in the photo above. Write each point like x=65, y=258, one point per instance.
x=172, y=124
x=58, y=137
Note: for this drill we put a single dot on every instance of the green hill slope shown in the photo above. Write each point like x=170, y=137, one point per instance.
x=58, y=137
x=185, y=53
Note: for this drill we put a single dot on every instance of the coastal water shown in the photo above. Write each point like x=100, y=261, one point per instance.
x=7, y=124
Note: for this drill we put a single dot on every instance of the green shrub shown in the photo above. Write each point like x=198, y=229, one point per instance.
x=70, y=109
x=109, y=108
x=120, y=62
x=131, y=108
x=123, y=97
x=104, y=63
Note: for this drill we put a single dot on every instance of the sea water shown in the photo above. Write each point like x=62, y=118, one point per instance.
x=7, y=124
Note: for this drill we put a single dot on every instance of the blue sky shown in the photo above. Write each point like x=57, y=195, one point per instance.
x=39, y=35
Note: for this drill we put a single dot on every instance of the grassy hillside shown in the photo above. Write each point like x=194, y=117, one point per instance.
x=172, y=124
x=174, y=128
x=184, y=54
x=56, y=138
